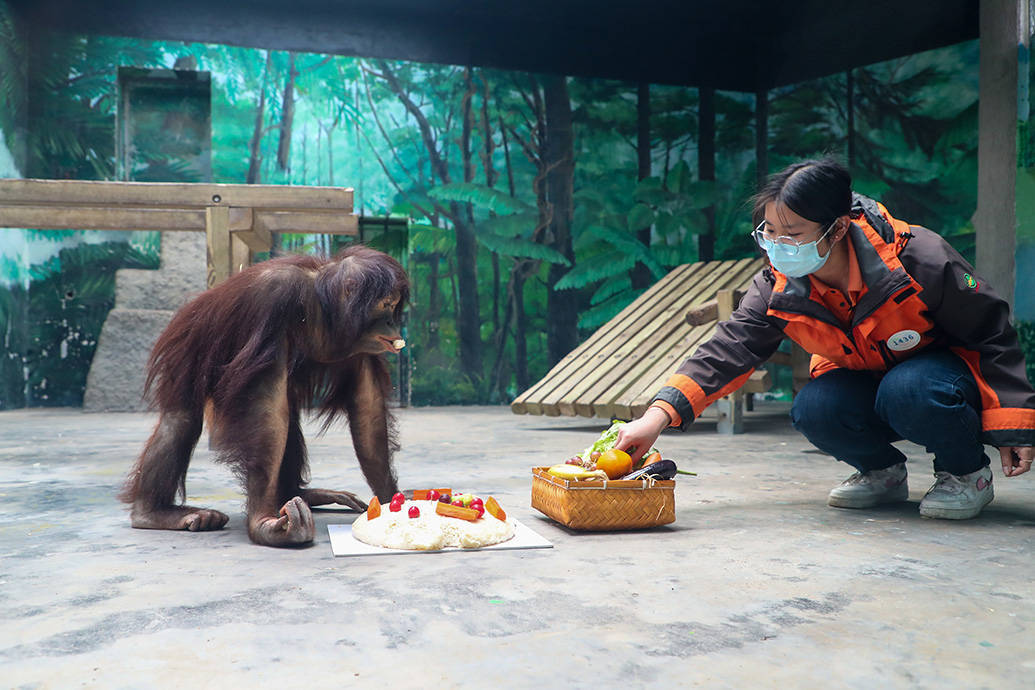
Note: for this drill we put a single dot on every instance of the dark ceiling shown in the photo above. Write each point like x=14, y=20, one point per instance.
x=730, y=44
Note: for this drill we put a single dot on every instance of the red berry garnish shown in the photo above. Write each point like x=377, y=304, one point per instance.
x=458, y=502
x=433, y=495
x=395, y=506
x=398, y=497
x=414, y=512
x=476, y=502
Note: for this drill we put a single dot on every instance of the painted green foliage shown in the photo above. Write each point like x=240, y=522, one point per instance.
x=455, y=148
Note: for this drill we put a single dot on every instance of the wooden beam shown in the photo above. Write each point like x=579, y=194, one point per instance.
x=731, y=414
x=240, y=254
x=237, y=219
x=726, y=301
x=259, y=240
x=217, y=234
x=173, y=194
x=309, y=222
x=759, y=382
x=706, y=313
x=260, y=224
x=709, y=311
x=44, y=217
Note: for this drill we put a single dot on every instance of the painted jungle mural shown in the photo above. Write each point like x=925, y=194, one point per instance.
x=539, y=205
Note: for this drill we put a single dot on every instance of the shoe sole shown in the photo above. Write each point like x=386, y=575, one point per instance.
x=937, y=513
x=899, y=496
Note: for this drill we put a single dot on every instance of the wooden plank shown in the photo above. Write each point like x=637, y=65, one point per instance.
x=705, y=313
x=664, y=358
x=669, y=352
x=659, y=371
x=709, y=311
x=217, y=234
x=645, y=384
x=307, y=222
x=759, y=382
x=241, y=219
x=258, y=239
x=725, y=304
x=240, y=254
x=661, y=322
x=174, y=219
x=42, y=217
x=172, y=194
x=529, y=402
x=591, y=361
x=607, y=340
x=730, y=414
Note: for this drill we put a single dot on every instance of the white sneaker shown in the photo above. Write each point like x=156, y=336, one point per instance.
x=864, y=490
x=958, y=498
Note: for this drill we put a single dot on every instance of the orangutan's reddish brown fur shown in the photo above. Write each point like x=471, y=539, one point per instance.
x=284, y=335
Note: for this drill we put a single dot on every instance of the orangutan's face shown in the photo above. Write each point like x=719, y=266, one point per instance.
x=382, y=331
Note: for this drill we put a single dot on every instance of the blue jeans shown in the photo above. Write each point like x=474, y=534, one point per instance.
x=930, y=399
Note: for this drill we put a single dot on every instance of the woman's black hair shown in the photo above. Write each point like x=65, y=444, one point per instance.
x=817, y=190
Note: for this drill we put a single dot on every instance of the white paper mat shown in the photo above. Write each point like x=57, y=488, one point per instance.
x=344, y=544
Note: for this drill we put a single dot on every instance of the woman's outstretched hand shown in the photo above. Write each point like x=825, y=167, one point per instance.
x=638, y=436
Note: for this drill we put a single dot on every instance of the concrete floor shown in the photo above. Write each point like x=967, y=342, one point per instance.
x=757, y=584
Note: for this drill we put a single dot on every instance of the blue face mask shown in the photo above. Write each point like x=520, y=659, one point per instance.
x=793, y=260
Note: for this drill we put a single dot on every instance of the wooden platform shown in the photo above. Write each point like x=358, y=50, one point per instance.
x=619, y=369
x=238, y=219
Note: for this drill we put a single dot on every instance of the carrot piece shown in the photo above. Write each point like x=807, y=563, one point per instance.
x=422, y=494
x=374, y=509
x=650, y=459
x=493, y=509
x=450, y=510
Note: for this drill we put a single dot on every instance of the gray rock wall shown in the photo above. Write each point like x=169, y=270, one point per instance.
x=144, y=303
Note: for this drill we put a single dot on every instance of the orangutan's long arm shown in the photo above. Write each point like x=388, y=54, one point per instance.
x=369, y=423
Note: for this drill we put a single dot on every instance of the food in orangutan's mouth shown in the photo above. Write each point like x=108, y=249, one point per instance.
x=398, y=343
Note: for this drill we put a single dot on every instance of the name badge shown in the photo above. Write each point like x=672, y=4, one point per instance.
x=904, y=340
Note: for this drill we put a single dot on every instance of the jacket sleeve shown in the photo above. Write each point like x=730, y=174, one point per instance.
x=722, y=364
x=977, y=323
x=819, y=365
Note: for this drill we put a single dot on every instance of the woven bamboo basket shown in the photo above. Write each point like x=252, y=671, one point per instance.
x=604, y=504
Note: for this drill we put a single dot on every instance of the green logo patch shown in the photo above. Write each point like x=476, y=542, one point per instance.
x=969, y=280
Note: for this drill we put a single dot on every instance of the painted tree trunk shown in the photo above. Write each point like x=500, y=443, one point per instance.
x=561, y=305
x=706, y=169
x=641, y=275
x=287, y=117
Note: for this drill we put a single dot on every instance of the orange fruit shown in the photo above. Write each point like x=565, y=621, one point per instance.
x=615, y=463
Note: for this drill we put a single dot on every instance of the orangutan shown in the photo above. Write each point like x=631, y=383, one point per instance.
x=292, y=333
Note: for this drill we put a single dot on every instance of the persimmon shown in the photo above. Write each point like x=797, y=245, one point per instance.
x=615, y=463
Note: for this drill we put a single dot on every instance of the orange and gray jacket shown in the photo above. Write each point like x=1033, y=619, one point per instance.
x=920, y=293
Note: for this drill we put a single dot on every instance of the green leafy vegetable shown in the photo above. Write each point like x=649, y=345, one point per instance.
x=607, y=442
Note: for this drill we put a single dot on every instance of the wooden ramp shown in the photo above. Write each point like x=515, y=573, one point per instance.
x=619, y=369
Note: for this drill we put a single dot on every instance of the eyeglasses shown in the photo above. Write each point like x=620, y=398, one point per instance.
x=788, y=245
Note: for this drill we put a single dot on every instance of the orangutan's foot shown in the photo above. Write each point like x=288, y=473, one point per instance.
x=178, y=517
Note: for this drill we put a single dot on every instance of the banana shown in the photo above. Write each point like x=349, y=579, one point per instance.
x=566, y=471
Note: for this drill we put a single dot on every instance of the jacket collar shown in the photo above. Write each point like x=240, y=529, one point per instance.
x=792, y=295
